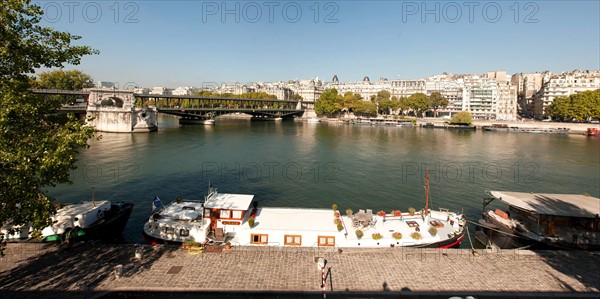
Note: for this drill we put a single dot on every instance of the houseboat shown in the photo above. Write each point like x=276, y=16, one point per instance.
x=79, y=221
x=237, y=219
x=566, y=221
x=506, y=128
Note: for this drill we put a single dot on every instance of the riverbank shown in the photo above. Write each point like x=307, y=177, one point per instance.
x=96, y=270
x=574, y=128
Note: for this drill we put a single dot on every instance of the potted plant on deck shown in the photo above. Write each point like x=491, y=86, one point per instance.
x=251, y=222
x=377, y=236
x=416, y=236
x=433, y=231
x=411, y=211
x=228, y=245
x=396, y=213
x=359, y=233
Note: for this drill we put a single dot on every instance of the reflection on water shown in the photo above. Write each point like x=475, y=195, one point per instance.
x=296, y=164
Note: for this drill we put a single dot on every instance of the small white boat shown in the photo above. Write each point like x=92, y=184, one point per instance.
x=79, y=221
x=313, y=120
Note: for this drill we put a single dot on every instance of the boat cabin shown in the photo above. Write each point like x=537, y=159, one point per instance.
x=226, y=212
x=563, y=218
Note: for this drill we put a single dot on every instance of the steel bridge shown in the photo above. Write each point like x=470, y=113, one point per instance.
x=191, y=107
x=201, y=107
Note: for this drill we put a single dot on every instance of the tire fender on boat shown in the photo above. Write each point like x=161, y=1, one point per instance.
x=100, y=214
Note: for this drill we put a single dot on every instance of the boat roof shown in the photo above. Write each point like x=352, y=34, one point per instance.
x=571, y=205
x=82, y=208
x=295, y=219
x=229, y=201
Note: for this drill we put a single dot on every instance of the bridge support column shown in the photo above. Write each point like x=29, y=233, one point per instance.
x=114, y=111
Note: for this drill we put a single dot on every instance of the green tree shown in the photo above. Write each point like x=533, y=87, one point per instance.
x=463, y=118
x=348, y=100
x=580, y=106
x=418, y=102
x=365, y=108
x=437, y=101
x=67, y=80
x=37, y=149
x=296, y=97
x=329, y=103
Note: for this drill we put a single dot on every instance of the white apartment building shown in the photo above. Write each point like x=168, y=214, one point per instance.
x=366, y=88
x=160, y=90
x=480, y=97
x=506, y=102
x=451, y=87
x=182, y=91
x=563, y=85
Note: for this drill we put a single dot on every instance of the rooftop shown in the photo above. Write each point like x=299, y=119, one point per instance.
x=572, y=205
x=229, y=201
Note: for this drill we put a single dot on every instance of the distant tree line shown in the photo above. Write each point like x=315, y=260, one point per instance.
x=582, y=106
x=332, y=103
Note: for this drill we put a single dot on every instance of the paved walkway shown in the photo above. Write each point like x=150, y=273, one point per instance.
x=85, y=270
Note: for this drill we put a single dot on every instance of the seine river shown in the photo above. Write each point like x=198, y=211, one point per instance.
x=295, y=164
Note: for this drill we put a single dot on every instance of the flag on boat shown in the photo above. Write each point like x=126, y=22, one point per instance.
x=156, y=204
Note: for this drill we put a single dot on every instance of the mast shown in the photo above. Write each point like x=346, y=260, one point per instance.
x=426, y=191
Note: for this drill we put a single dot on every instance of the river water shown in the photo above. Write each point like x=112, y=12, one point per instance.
x=296, y=164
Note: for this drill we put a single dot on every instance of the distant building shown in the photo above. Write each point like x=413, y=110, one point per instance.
x=105, y=84
x=527, y=85
x=160, y=90
x=182, y=91
x=141, y=90
x=563, y=85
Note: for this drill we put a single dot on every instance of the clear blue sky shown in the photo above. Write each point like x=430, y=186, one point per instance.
x=190, y=43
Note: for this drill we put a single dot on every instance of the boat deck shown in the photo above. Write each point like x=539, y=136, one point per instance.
x=311, y=224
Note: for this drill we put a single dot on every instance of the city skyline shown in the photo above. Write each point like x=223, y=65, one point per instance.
x=156, y=43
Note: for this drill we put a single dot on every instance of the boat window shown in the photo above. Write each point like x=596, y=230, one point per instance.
x=259, y=239
x=294, y=240
x=188, y=208
x=236, y=215
x=412, y=223
x=169, y=230
x=326, y=241
x=225, y=214
x=184, y=232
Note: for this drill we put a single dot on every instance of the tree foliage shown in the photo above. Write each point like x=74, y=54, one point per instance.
x=418, y=102
x=463, y=118
x=37, y=148
x=329, y=103
x=437, y=101
x=296, y=97
x=365, y=108
x=66, y=80
x=27, y=46
x=580, y=106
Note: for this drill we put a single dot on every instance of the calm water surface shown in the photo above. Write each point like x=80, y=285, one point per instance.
x=295, y=164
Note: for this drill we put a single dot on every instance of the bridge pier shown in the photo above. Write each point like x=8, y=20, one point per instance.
x=114, y=111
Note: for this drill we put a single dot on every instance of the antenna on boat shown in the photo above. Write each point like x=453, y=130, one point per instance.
x=426, y=191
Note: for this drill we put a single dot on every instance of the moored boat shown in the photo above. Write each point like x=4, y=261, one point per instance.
x=592, y=132
x=565, y=221
x=237, y=219
x=506, y=128
x=78, y=221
